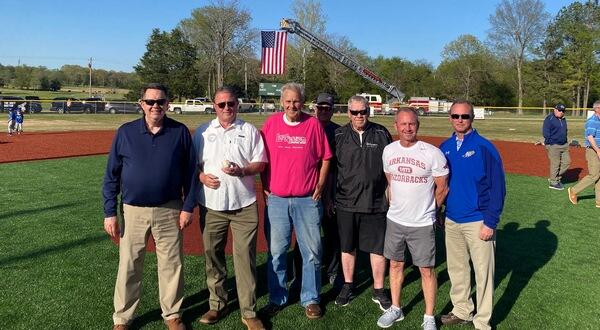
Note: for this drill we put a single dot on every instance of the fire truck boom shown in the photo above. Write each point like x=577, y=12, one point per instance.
x=295, y=27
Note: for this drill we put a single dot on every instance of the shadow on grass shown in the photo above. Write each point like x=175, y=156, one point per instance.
x=53, y=249
x=39, y=210
x=520, y=253
x=572, y=175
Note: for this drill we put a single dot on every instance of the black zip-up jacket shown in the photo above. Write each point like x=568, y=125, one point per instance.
x=361, y=183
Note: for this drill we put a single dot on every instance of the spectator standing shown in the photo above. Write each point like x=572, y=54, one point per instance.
x=360, y=198
x=473, y=207
x=592, y=156
x=230, y=152
x=555, y=132
x=12, y=118
x=151, y=164
x=417, y=176
x=293, y=181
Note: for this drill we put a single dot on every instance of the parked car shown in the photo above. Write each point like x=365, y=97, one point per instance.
x=69, y=105
x=247, y=105
x=94, y=104
x=123, y=107
x=33, y=104
x=9, y=102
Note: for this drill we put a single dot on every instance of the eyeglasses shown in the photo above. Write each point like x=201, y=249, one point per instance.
x=464, y=116
x=324, y=107
x=230, y=104
x=358, y=112
x=160, y=102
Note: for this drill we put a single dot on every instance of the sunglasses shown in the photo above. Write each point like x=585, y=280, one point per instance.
x=324, y=107
x=464, y=116
x=358, y=112
x=230, y=104
x=151, y=103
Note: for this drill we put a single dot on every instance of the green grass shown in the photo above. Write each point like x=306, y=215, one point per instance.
x=79, y=92
x=58, y=267
x=506, y=128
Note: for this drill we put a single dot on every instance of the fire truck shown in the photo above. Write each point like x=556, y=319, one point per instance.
x=375, y=102
x=427, y=105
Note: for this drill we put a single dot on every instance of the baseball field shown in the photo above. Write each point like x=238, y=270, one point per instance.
x=58, y=267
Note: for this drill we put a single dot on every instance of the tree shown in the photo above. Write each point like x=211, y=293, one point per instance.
x=516, y=28
x=55, y=85
x=23, y=76
x=465, y=59
x=170, y=59
x=222, y=36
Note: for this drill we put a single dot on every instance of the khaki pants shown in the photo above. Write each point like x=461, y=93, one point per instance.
x=593, y=174
x=462, y=244
x=139, y=223
x=559, y=158
x=244, y=227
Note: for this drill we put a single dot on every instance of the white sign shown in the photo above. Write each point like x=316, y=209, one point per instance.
x=479, y=113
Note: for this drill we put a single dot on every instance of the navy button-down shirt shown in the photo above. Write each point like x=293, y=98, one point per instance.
x=149, y=169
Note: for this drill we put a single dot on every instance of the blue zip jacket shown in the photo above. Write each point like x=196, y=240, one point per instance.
x=554, y=130
x=477, y=185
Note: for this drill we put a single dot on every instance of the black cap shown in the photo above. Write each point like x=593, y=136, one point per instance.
x=325, y=98
x=560, y=107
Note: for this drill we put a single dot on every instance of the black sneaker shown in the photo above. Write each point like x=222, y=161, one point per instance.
x=271, y=309
x=382, y=299
x=343, y=299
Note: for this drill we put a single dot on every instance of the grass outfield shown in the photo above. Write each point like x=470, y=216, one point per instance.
x=506, y=127
x=58, y=267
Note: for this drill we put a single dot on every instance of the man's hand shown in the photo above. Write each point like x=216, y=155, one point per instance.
x=486, y=233
x=111, y=226
x=185, y=219
x=209, y=180
x=318, y=191
x=234, y=170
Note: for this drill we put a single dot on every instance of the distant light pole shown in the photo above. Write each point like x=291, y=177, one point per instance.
x=90, y=67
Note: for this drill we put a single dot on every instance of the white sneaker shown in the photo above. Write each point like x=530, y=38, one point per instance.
x=429, y=324
x=391, y=315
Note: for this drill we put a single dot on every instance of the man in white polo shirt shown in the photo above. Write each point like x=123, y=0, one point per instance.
x=417, y=174
x=230, y=153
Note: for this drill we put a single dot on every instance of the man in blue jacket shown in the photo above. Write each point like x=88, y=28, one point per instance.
x=557, y=147
x=473, y=208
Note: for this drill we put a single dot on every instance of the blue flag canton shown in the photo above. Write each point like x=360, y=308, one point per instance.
x=268, y=39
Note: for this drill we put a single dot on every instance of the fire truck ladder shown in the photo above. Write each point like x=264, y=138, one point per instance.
x=295, y=27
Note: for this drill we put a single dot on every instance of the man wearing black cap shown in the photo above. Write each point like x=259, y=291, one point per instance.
x=557, y=146
x=331, y=243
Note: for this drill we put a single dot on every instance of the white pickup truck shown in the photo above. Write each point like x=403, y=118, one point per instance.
x=199, y=105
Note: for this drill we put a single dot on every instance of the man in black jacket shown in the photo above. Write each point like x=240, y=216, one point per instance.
x=360, y=199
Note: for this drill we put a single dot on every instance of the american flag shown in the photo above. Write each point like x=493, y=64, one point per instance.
x=273, y=52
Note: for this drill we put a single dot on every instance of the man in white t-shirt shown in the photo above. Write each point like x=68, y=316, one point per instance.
x=230, y=154
x=417, y=174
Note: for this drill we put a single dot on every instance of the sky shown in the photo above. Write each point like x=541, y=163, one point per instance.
x=114, y=33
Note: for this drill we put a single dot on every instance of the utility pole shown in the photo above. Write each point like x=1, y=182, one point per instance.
x=90, y=67
x=245, y=79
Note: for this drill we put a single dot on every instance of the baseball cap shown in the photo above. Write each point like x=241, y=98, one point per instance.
x=560, y=107
x=325, y=98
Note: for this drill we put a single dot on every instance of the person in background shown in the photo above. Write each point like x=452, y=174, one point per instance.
x=151, y=165
x=230, y=152
x=477, y=190
x=555, y=132
x=592, y=156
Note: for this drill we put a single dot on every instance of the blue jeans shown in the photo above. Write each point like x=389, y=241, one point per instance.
x=304, y=214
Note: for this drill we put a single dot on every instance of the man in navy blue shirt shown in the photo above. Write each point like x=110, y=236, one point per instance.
x=557, y=146
x=475, y=201
x=151, y=164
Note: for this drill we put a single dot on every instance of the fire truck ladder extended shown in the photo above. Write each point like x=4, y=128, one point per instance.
x=295, y=27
